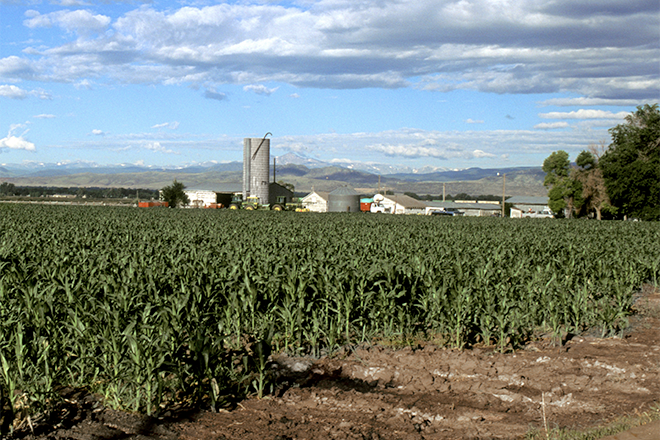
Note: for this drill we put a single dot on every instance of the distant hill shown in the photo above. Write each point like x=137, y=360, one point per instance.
x=467, y=174
x=474, y=181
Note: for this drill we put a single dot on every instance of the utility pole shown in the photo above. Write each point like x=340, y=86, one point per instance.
x=503, y=193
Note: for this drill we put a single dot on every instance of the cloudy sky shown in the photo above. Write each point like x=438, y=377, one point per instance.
x=446, y=83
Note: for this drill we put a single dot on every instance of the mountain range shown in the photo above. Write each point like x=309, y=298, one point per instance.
x=303, y=172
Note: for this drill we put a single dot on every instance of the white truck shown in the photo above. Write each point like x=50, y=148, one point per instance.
x=378, y=206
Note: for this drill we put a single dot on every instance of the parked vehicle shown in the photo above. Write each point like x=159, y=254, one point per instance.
x=452, y=212
x=282, y=205
x=378, y=207
x=251, y=203
x=545, y=213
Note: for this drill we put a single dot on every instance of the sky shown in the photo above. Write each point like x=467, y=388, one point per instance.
x=440, y=83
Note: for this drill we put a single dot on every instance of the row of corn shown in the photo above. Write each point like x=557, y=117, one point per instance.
x=151, y=308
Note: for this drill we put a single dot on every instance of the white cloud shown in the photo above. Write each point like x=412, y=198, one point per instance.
x=80, y=21
x=14, y=66
x=97, y=132
x=13, y=92
x=16, y=143
x=453, y=148
x=584, y=114
x=403, y=150
x=44, y=116
x=294, y=95
x=481, y=153
x=171, y=125
x=523, y=47
x=260, y=89
x=472, y=121
x=13, y=142
x=445, y=151
x=41, y=94
x=72, y=3
x=570, y=102
x=83, y=84
x=213, y=94
x=156, y=146
x=551, y=125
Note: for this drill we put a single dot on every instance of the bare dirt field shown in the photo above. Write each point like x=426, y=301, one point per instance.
x=420, y=392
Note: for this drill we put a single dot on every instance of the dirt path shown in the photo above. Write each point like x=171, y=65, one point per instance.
x=431, y=393
x=427, y=393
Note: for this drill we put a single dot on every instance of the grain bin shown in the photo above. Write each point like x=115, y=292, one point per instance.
x=256, y=168
x=344, y=199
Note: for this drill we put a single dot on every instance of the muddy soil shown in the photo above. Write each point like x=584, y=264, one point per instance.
x=423, y=392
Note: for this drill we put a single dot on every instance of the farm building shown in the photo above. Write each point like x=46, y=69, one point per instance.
x=398, y=204
x=222, y=194
x=207, y=197
x=316, y=201
x=528, y=206
x=200, y=198
x=467, y=208
x=275, y=191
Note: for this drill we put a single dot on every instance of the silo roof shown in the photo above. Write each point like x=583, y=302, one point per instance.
x=344, y=191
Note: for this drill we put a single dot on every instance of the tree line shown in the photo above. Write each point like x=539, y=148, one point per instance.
x=449, y=197
x=9, y=189
x=619, y=180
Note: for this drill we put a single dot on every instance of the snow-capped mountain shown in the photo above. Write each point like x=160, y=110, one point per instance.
x=369, y=167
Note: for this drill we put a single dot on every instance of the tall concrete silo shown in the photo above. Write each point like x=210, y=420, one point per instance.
x=256, y=168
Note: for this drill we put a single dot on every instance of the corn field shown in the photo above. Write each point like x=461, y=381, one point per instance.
x=154, y=307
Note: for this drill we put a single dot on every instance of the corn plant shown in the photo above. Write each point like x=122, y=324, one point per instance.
x=155, y=307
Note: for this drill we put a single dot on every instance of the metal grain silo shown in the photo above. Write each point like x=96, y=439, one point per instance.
x=344, y=199
x=256, y=168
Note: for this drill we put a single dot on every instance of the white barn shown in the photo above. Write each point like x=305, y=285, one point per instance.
x=316, y=201
x=398, y=204
x=528, y=206
x=200, y=198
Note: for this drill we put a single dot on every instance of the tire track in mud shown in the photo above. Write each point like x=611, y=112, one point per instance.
x=430, y=393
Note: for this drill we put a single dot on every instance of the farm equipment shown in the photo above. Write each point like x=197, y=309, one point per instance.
x=251, y=203
x=236, y=201
x=365, y=204
x=282, y=205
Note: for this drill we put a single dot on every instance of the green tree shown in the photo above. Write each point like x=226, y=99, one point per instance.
x=462, y=196
x=287, y=185
x=174, y=195
x=590, y=175
x=631, y=165
x=565, y=190
x=7, y=189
